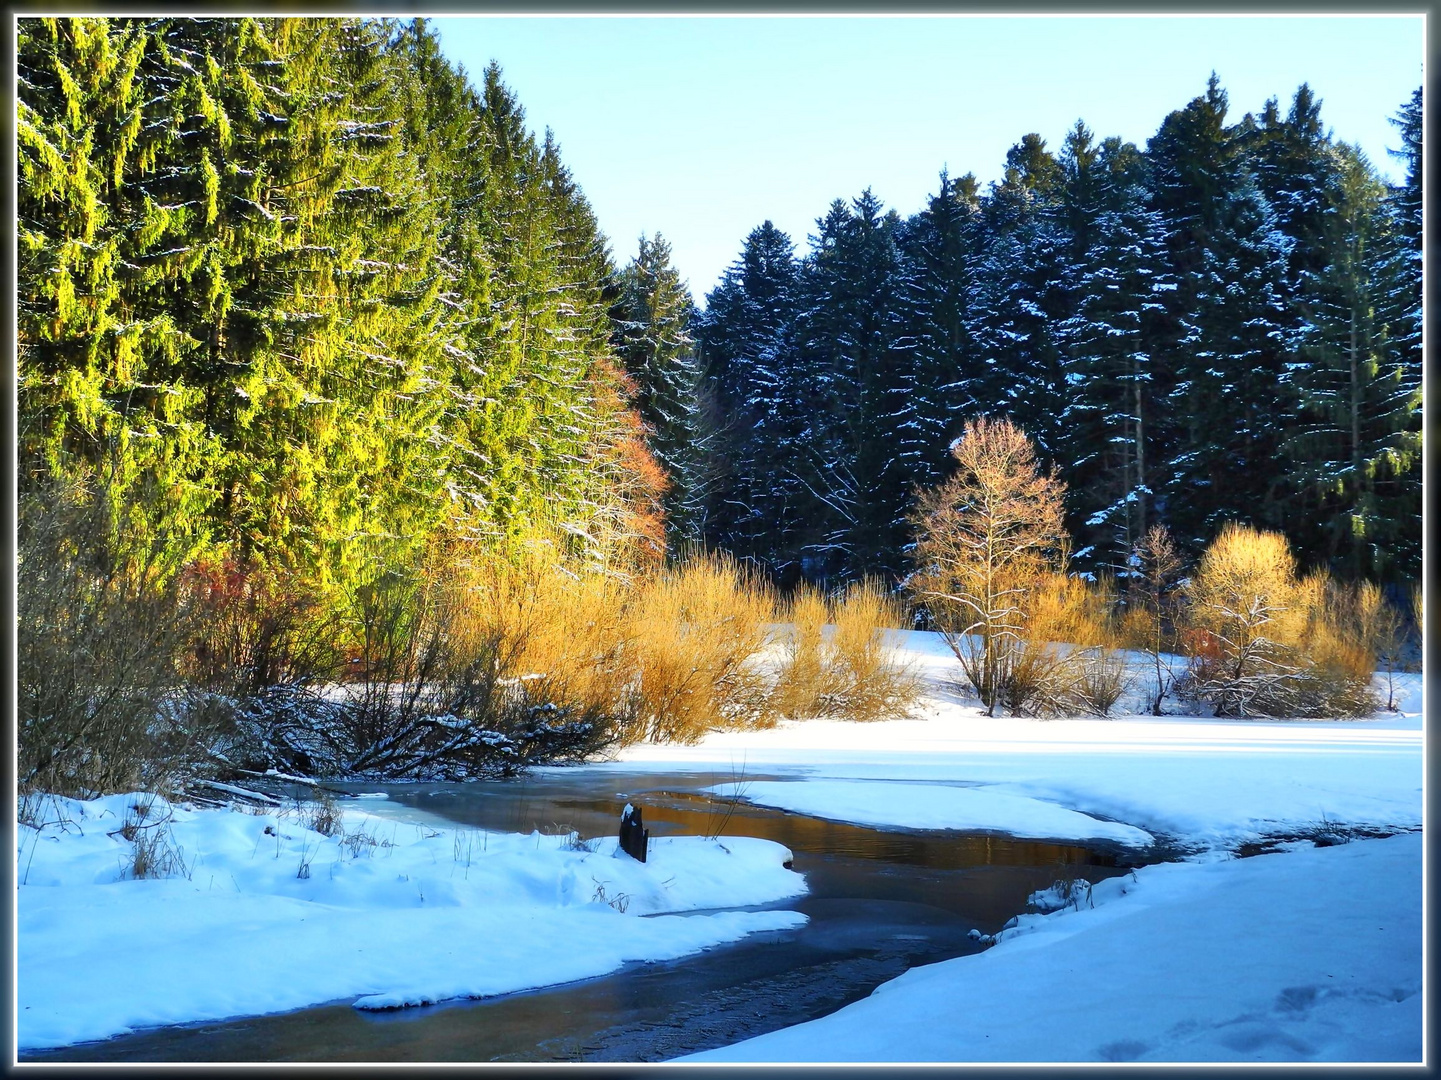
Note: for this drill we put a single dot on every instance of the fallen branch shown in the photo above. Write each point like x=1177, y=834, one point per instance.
x=239, y=792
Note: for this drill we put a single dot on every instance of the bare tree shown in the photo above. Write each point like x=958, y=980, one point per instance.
x=985, y=538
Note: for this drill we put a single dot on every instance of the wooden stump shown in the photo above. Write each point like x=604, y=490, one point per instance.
x=634, y=836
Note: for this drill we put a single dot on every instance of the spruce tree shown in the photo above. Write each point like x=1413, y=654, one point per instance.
x=652, y=319
x=752, y=404
x=312, y=294
x=1112, y=342
x=942, y=246
x=1356, y=441
x=1027, y=283
x=1226, y=325
x=855, y=359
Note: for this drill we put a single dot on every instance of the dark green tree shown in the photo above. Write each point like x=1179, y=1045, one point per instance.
x=854, y=361
x=1113, y=341
x=751, y=403
x=652, y=320
x=1357, y=442
x=943, y=251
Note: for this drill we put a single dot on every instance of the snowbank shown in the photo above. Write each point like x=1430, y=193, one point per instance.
x=267, y=915
x=883, y=804
x=1309, y=955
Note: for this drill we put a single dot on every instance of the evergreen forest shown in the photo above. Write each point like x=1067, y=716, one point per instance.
x=1221, y=327
x=306, y=298
x=316, y=335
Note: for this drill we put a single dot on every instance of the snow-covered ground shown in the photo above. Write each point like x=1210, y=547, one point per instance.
x=1197, y=782
x=884, y=804
x=396, y=913
x=1306, y=954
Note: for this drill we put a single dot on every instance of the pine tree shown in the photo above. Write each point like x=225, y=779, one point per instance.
x=1151, y=318
x=90, y=130
x=752, y=404
x=854, y=359
x=1292, y=162
x=1356, y=441
x=266, y=354
x=1227, y=325
x=1108, y=426
x=312, y=294
x=1028, y=278
x=652, y=321
x=942, y=246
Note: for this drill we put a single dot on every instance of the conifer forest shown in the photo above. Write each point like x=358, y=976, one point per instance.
x=310, y=320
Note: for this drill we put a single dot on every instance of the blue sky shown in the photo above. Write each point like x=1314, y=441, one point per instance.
x=702, y=128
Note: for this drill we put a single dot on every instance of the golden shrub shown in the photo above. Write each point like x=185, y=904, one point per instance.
x=872, y=683
x=1265, y=642
x=805, y=684
x=696, y=632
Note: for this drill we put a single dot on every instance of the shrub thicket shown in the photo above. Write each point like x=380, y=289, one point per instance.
x=873, y=684
x=836, y=660
x=1263, y=642
x=696, y=635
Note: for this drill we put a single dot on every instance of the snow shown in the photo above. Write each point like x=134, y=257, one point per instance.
x=1198, y=782
x=1305, y=954
x=1309, y=955
x=883, y=804
x=398, y=914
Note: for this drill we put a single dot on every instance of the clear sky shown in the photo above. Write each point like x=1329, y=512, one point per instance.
x=702, y=128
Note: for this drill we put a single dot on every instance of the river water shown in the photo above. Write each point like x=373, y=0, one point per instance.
x=879, y=902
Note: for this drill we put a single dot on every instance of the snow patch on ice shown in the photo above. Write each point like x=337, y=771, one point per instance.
x=882, y=804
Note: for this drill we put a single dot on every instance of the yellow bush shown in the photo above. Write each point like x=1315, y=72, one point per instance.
x=871, y=682
x=806, y=683
x=1264, y=642
x=668, y=655
x=837, y=662
x=560, y=634
x=1063, y=608
x=1245, y=596
x=1065, y=661
x=695, y=634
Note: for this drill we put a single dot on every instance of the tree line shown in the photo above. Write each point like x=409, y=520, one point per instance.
x=1221, y=327
x=302, y=298
x=310, y=298
x=312, y=330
